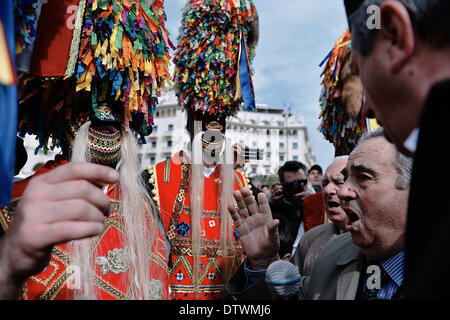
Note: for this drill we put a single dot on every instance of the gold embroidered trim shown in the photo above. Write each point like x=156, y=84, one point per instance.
x=179, y=202
x=75, y=40
x=153, y=180
x=176, y=288
x=45, y=282
x=167, y=170
x=108, y=288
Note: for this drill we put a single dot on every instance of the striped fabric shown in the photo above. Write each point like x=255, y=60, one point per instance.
x=394, y=268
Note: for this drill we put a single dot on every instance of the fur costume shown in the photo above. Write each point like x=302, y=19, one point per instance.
x=341, y=99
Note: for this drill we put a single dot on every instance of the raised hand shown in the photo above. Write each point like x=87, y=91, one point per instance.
x=258, y=231
x=64, y=204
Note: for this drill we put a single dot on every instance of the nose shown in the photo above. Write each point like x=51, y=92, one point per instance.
x=330, y=190
x=346, y=193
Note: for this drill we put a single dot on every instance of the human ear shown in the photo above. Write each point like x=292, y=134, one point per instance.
x=397, y=29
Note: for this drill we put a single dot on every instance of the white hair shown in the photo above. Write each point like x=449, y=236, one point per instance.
x=134, y=203
x=196, y=191
x=225, y=196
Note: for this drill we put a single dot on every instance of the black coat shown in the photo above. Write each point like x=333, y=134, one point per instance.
x=428, y=228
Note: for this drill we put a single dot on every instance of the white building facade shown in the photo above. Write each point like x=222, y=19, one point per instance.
x=280, y=135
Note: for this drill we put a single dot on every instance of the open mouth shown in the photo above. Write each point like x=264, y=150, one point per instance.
x=352, y=217
x=333, y=204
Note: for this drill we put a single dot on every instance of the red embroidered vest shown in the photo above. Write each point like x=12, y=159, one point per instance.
x=111, y=259
x=170, y=181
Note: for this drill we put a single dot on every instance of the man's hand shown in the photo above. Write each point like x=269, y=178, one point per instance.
x=64, y=204
x=277, y=193
x=258, y=232
x=299, y=197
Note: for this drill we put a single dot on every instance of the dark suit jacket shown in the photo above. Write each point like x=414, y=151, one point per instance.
x=427, y=264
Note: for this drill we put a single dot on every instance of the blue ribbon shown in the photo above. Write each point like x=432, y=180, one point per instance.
x=8, y=112
x=326, y=58
x=246, y=81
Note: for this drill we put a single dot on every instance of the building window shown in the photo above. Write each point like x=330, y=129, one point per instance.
x=152, y=160
x=281, y=133
x=153, y=144
x=268, y=132
x=295, y=158
x=169, y=143
x=281, y=145
x=155, y=129
x=295, y=133
x=268, y=145
x=254, y=143
x=281, y=158
x=170, y=128
x=295, y=146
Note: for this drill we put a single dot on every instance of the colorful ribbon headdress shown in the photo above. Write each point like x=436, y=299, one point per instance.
x=93, y=52
x=341, y=98
x=215, y=47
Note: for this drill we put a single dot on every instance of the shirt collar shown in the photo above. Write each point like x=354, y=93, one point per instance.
x=411, y=143
x=394, y=267
x=209, y=171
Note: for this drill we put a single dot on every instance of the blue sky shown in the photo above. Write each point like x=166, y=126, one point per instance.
x=295, y=36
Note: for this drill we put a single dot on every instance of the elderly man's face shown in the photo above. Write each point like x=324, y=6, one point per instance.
x=375, y=208
x=332, y=182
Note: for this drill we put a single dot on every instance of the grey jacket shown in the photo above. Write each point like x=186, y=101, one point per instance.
x=335, y=275
x=310, y=246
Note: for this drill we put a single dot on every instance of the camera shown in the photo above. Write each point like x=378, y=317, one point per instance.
x=292, y=187
x=253, y=154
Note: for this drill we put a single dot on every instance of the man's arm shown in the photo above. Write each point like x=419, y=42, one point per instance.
x=64, y=204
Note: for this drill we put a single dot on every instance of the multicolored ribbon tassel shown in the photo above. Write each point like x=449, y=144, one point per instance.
x=25, y=23
x=118, y=55
x=124, y=51
x=212, y=63
x=336, y=126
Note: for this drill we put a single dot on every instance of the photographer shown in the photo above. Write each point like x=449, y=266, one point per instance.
x=286, y=203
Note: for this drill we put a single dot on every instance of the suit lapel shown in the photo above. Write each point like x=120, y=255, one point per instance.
x=348, y=280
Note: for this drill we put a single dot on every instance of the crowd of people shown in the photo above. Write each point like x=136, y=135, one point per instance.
x=90, y=225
